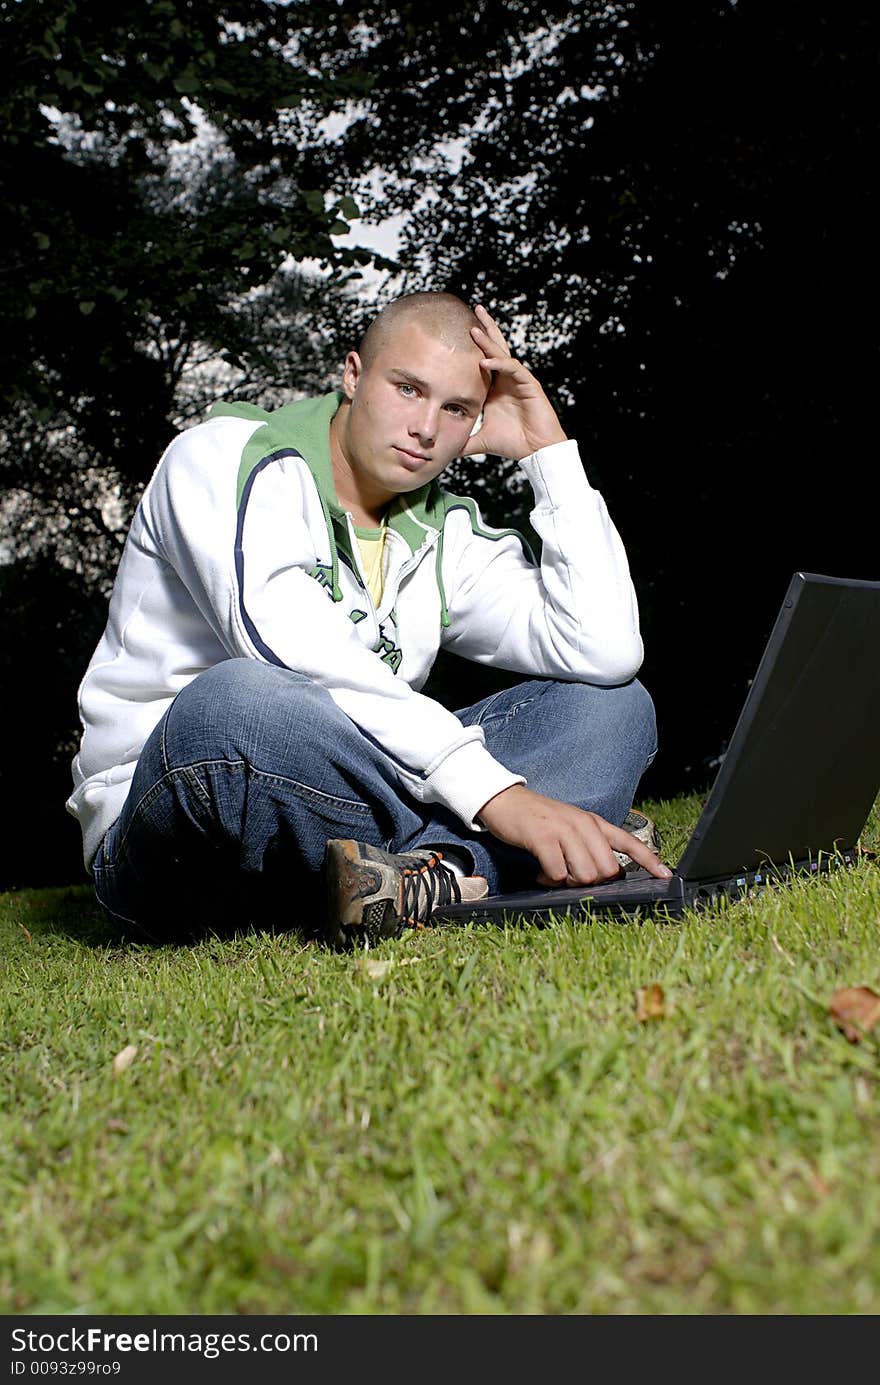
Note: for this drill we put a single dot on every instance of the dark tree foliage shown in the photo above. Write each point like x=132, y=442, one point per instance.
x=108, y=243
x=51, y=616
x=144, y=274
x=675, y=209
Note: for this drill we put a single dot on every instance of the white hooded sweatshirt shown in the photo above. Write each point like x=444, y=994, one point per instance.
x=239, y=548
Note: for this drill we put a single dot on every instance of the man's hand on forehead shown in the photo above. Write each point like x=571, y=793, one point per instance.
x=518, y=418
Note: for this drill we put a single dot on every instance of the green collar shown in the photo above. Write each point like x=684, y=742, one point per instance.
x=305, y=426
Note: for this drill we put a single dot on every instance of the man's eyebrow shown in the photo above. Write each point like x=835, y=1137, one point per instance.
x=463, y=399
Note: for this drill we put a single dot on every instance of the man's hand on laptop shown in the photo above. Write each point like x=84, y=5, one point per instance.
x=571, y=846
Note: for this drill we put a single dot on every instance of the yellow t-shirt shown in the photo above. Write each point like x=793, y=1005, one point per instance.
x=371, y=543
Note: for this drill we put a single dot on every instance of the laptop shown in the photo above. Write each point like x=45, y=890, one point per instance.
x=796, y=783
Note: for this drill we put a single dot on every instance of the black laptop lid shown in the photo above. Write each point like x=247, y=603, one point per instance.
x=803, y=765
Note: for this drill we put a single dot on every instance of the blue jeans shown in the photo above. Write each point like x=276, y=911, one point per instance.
x=254, y=768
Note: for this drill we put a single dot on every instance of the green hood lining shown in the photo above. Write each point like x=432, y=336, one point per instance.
x=304, y=427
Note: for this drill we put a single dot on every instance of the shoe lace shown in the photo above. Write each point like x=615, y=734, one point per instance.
x=425, y=887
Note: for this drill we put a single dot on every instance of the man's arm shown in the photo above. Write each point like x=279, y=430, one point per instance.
x=572, y=847
x=576, y=615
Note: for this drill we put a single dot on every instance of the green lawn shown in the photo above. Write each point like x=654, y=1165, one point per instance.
x=463, y=1122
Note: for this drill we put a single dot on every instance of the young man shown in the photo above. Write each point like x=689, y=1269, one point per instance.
x=255, y=746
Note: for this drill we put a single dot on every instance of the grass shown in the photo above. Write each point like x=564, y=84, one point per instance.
x=470, y=1122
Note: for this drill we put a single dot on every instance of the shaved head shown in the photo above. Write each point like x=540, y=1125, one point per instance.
x=440, y=315
x=412, y=395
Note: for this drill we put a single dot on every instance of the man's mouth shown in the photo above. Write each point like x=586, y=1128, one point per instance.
x=412, y=460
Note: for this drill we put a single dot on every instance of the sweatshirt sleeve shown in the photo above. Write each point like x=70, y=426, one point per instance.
x=574, y=615
x=252, y=583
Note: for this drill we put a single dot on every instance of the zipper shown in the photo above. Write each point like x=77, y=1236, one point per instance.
x=391, y=588
x=361, y=575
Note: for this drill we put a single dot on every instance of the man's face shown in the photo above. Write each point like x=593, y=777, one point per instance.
x=412, y=409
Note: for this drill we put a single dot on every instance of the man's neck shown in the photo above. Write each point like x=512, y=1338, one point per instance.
x=365, y=507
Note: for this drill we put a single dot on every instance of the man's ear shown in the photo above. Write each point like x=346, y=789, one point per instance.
x=351, y=374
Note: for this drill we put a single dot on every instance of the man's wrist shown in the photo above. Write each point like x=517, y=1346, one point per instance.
x=545, y=441
x=492, y=803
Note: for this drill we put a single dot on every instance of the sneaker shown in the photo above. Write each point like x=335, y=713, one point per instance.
x=646, y=831
x=373, y=894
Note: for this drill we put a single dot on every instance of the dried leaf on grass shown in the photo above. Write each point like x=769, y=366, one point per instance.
x=124, y=1058
x=650, y=1002
x=25, y=932
x=375, y=968
x=372, y=968
x=528, y=1249
x=853, y=1006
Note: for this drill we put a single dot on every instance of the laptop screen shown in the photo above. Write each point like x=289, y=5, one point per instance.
x=803, y=766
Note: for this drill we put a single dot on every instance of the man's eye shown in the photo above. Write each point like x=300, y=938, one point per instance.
x=404, y=387
x=456, y=409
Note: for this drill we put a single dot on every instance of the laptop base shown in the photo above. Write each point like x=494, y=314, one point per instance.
x=636, y=895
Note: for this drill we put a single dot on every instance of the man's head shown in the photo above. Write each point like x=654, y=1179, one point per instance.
x=414, y=390
x=441, y=316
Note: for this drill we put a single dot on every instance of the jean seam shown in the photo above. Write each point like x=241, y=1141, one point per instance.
x=165, y=761
x=192, y=778
x=309, y=791
x=187, y=772
x=268, y=775
x=114, y=913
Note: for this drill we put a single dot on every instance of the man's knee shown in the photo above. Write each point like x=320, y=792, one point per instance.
x=639, y=707
x=621, y=713
x=627, y=701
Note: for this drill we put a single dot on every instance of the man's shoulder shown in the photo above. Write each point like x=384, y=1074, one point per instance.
x=208, y=442
x=451, y=511
x=450, y=503
x=243, y=434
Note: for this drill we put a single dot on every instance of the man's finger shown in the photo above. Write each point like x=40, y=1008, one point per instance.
x=492, y=332
x=552, y=861
x=583, y=875
x=588, y=858
x=505, y=365
x=485, y=316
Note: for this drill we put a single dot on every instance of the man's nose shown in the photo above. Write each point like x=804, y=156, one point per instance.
x=424, y=425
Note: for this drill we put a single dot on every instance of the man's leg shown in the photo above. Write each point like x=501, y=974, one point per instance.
x=254, y=769
x=236, y=793
x=576, y=742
